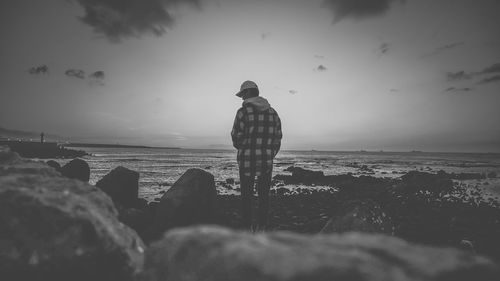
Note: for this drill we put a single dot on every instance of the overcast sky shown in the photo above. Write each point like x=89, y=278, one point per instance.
x=342, y=74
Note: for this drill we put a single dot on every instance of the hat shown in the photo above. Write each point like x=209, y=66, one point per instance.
x=246, y=85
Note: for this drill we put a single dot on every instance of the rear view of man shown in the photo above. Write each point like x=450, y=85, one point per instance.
x=257, y=136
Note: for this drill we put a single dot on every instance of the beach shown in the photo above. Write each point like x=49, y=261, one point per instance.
x=160, y=168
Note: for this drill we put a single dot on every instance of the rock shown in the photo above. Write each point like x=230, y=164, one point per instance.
x=282, y=191
x=359, y=215
x=492, y=175
x=141, y=203
x=11, y=163
x=300, y=175
x=8, y=157
x=436, y=183
x=122, y=185
x=190, y=200
x=54, y=165
x=55, y=228
x=230, y=181
x=137, y=219
x=212, y=253
x=76, y=169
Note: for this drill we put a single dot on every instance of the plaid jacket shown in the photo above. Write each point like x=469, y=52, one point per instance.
x=257, y=136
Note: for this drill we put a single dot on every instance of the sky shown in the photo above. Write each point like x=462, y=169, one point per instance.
x=386, y=75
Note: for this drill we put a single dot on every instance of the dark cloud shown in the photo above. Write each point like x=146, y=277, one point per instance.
x=97, y=78
x=492, y=79
x=462, y=75
x=491, y=69
x=41, y=69
x=456, y=90
x=293, y=92
x=383, y=49
x=117, y=19
x=358, y=8
x=444, y=48
x=321, y=68
x=97, y=75
x=77, y=73
x=457, y=76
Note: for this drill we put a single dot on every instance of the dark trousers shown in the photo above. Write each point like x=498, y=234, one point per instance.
x=247, y=190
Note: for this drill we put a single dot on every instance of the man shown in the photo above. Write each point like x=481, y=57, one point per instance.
x=257, y=136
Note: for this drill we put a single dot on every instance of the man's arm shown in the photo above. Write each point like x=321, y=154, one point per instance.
x=278, y=135
x=237, y=133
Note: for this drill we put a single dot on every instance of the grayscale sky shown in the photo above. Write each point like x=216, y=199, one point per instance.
x=342, y=74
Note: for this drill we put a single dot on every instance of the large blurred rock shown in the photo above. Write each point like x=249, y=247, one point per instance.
x=76, y=169
x=190, y=200
x=359, y=215
x=122, y=185
x=54, y=228
x=216, y=254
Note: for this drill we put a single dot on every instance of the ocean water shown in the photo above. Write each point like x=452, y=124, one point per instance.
x=160, y=168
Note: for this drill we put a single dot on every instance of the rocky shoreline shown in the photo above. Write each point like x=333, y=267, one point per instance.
x=55, y=226
x=42, y=150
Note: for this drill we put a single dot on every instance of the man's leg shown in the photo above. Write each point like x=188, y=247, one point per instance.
x=263, y=187
x=246, y=184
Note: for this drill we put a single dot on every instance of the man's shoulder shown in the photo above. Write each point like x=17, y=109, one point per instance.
x=273, y=111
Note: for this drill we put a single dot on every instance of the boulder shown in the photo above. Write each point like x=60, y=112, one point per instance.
x=421, y=181
x=55, y=228
x=359, y=215
x=300, y=175
x=54, y=164
x=122, y=185
x=76, y=169
x=190, y=200
x=137, y=219
x=218, y=254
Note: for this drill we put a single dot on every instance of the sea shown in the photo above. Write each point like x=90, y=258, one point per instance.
x=159, y=168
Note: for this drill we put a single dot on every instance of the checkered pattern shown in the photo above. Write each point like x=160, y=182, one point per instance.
x=257, y=136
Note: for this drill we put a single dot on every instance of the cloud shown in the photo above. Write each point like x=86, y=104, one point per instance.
x=293, y=92
x=456, y=90
x=462, y=75
x=117, y=19
x=77, y=73
x=450, y=46
x=319, y=56
x=492, y=79
x=321, y=68
x=383, y=49
x=491, y=69
x=358, y=9
x=265, y=35
x=444, y=48
x=97, y=77
x=42, y=69
x=457, y=76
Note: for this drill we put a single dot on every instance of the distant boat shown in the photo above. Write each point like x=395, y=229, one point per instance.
x=416, y=151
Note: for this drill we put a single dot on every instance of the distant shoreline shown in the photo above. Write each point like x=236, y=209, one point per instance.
x=105, y=145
